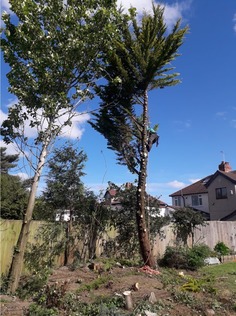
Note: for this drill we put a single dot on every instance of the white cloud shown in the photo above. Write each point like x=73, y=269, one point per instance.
x=233, y=123
x=74, y=131
x=5, y=5
x=3, y=116
x=22, y=175
x=194, y=180
x=11, y=148
x=234, y=21
x=181, y=125
x=221, y=114
x=176, y=184
x=172, y=12
x=187, y=124
x=154, y=186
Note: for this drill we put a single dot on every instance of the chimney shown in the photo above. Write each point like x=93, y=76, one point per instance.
x=225, y=166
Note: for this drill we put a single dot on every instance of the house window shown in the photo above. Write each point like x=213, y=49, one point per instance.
x=221, y=193
x=196, y=200
x=177, y=201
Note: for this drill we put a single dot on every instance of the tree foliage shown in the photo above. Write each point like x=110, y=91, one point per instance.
x=185, y=221
x=52, y=48
x=123, y=218
x=65, y=191
x=13, y=197
x=14, y=192
x=64, y=185
x=138, y=62
x=7, y=161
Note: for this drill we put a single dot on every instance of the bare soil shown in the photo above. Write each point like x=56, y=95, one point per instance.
x=120, y=279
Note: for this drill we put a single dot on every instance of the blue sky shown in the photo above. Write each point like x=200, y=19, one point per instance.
x=197, y=118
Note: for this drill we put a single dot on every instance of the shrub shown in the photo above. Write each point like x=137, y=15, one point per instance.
x=221, y=249
x=185, y=257
x=33, y=284
x=196, y=256
x=37, y=310
x=174, y=257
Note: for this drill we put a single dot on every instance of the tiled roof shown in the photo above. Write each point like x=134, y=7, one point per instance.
x=195, y=188
x=230, y=175
x=202, y=185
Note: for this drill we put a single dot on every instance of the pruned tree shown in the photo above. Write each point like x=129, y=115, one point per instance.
x=123, y=218
x=138, y=62
x=52, y=49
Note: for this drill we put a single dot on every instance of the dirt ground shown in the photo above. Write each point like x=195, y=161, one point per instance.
x=120, y=279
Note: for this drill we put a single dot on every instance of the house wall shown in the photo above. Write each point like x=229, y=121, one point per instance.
x=221, y=207
x=188, y=202
x=205, y=205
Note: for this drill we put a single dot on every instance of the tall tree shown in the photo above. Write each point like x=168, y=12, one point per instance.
x=64, y=186
x=53, y=52
x=13, y=191
x=137, y=64
x=13, y=197
x=66, y=192
x=7, y=161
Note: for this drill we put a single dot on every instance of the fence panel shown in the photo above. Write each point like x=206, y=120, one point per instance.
x=210, y=234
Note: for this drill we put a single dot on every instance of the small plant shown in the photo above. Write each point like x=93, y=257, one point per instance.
x=221, y=249
x=198, y=285
x=37, y=310
x=169, y=278
x=144, y=305
x=184, y=297
x=3, y=283
x=51, y=296
x=94, y=285
x=32, y=284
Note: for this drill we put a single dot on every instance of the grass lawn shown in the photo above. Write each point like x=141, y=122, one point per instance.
x=224, y=275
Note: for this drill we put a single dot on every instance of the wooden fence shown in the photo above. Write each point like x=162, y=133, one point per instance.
x=210, y=234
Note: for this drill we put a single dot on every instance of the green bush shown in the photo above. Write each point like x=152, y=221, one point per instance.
x=183, y=257
x=221, y=249
x=174, y=257
x=197, y=255
x=32, y=284
x=37, y=310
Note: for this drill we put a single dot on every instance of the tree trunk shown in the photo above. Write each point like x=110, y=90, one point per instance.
x=69, y=231
x=144, y=242
x=93, y=239
x=19, y=251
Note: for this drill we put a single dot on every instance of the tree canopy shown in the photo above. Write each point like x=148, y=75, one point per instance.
x=138, y=62
x=52, y=48
x=64, y=184
x=7, y=161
